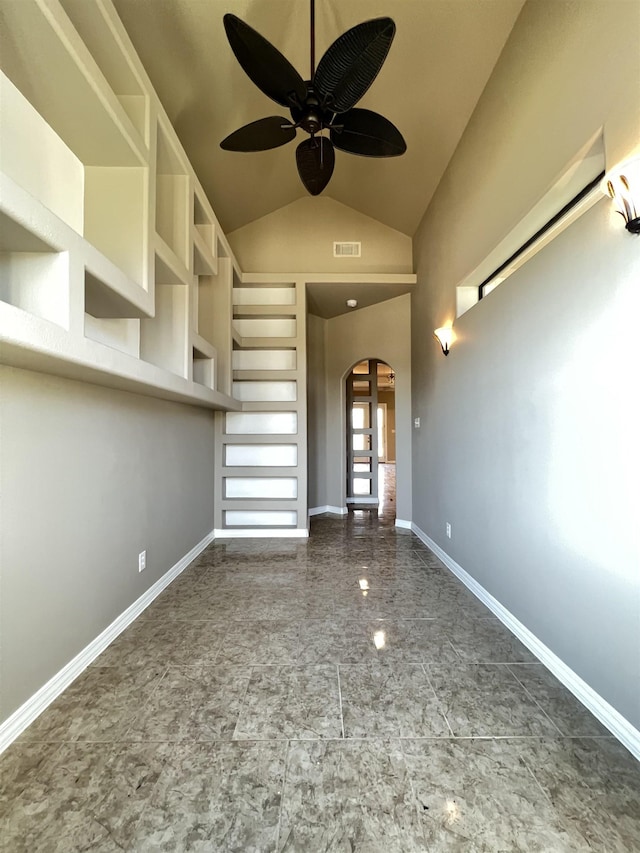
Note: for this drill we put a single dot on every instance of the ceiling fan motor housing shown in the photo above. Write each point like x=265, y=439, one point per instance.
x=309, y=117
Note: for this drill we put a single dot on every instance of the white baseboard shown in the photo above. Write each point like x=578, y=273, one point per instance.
x=620, y=727
x=334, y=510
x=364, y=500
x=262, y=533
x=33, y=707
x=400, y=522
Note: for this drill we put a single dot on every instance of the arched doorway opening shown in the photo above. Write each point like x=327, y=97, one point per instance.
x=370, y=427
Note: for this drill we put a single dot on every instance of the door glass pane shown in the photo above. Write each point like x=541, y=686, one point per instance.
x=381, y=431
x=362, y=387
x=362, y=463
x=360, y=415
x=361, y=442
x=361, y=487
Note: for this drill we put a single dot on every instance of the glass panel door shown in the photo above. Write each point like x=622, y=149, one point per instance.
x=362, y=437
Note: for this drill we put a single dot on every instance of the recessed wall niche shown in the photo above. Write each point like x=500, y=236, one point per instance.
x=33, y=275
x=172, y=197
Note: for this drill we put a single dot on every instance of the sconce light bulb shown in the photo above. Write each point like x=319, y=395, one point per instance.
x=624, y=189
x=352, y=303
x=444, y=336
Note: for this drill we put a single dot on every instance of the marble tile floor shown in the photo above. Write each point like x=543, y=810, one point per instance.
x=266, y=702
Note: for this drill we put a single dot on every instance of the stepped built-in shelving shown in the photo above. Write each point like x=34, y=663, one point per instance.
x=263, y=489
x=113, y=267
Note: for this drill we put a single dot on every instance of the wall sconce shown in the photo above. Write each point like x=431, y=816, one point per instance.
x=445, y=337
x=624, y=188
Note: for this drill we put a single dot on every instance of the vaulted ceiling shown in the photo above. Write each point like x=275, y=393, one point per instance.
x=442, y=56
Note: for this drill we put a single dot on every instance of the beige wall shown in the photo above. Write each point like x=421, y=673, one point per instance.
x=527, y=446
x=316, y=410
x=380, y=331
x=90, y=477
x=300, y=237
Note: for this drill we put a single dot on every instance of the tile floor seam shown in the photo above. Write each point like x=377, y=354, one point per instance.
x=437, y=698
x=340, y=698
x=533, y=699
x=414, y=792
x=241, y=706
x=537, y=781
x=282, y=795
x=171, y=753
x=222, y=640
x=140, y=710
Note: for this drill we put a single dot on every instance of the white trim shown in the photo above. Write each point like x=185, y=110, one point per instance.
x=33, y=707
x=262, y=533
x=334, y=510
x=400, y=522
x=627, y=734
x=586, y=164
x=363, y=500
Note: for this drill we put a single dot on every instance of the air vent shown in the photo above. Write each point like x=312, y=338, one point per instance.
x=347, y=250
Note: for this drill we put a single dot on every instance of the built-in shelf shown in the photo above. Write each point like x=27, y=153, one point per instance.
x=120, y=333
x=204, y=226
x=260, y=518
x=114, y=217
x=261, y=488
x=205, y=306
x=265, y=327
x=100, y=30
x=48, y=61
x=265, y=391
x=271, y=298
x=263, y=448
x=264, y=359
x=163, y=337
x=204, y=262
x=262, y=423
x=203, y=367
x=33, y=275
x=113, y=267
x=172, y=195
x=168, y=269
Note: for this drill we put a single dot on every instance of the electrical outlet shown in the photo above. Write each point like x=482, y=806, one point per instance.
x=448, y=530
x=142, y=561
x=416, y=423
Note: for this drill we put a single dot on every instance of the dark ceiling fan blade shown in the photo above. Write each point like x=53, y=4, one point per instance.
x=368, y=134
x=272, y=73
x=260, y=135
x=315, y=158
x=352, y=63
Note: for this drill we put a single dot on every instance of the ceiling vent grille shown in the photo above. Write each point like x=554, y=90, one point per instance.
x=347, y=250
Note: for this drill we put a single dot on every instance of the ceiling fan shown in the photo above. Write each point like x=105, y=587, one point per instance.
x=324, y=102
